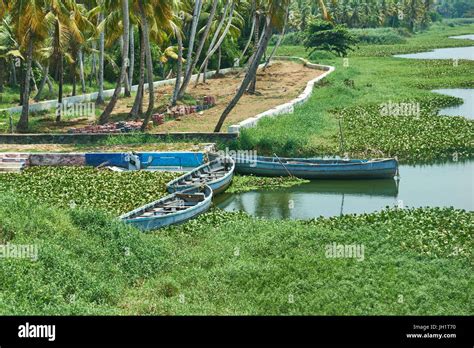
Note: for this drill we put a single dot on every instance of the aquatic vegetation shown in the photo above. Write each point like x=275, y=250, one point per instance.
x=413, y=138
x=113, y=192
x=250, y=183
x=435, y=232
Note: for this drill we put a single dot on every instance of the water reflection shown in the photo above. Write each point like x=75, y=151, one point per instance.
x=441, y=185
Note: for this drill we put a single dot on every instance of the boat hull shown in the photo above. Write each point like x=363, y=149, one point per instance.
x=320, y=169
x=217, y=186
x=153, y=223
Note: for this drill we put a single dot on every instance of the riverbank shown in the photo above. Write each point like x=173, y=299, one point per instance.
x=358, y=90
x=230, y=263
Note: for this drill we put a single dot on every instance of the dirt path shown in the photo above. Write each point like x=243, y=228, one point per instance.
x=280, y=83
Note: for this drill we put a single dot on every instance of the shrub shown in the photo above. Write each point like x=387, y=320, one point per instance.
x=378, y=36
x=327, y=36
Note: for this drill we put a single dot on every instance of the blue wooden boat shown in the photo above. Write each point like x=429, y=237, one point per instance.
x=176, y=208
x=217, y=175
x=312, y=168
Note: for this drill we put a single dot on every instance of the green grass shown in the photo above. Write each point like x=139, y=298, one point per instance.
x=416, y=262
x=373, y=77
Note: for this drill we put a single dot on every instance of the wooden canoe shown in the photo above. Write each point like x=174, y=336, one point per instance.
x=173, y=209
x=311, y=168
x=217, y=175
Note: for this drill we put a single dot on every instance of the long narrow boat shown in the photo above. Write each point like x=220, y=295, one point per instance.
x=217, y=174
x=173, y=209
x=311, y=168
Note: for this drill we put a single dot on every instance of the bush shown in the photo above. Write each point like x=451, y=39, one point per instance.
x=378, y=36
x=327, y=36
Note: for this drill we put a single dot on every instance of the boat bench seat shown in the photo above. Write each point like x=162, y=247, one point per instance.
x=191, y=197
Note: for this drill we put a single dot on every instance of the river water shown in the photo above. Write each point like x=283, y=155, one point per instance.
x=436, y=185
x=440, y=185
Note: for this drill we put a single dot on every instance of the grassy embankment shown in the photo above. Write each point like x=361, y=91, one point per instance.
x=356, y=92
x=414, y=262
x=228, y=263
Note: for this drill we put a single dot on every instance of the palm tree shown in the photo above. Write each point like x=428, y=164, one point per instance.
x=193, y=62
x=274, y=18
x=30, y=26
x=213, y=47
x=104, y=117
x=101, y=28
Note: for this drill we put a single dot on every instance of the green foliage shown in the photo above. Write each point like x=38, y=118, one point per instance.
x=325, y=35
x=251, y=183
x=435, y=232
x=422, y=138
x=116, y=193
x=378, y=36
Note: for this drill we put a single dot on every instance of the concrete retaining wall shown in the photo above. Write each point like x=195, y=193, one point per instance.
x=57, y=159
x=287, y=108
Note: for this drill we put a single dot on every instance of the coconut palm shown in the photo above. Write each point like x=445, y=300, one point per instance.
x=125, y=15
x=30, y=25
x=275, y=12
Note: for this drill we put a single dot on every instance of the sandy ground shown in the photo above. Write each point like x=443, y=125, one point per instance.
x=280, y=83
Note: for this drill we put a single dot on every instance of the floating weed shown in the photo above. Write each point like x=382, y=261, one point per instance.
x=113, y=192
x=250, y=183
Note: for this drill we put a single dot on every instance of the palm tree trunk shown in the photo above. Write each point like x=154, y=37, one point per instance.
x=43, y=81
x=93, y=74
x=136, y=108
x=74, y=68
x=132, y=56
x=187, y=77
x=251, y=73
x=100, y=94
x=149, y=64
x=13, y=78
x=280, y=39
x=219, y=60
x=250, y=37
x=126, y=84
x=192, y=36
x=221, y=39
x=253, y=84
x=81, y=71
x=179, y=68
x=104, y=117
x=2, y=70
x=215, y=37
x=23, y=122
x=61, y=85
